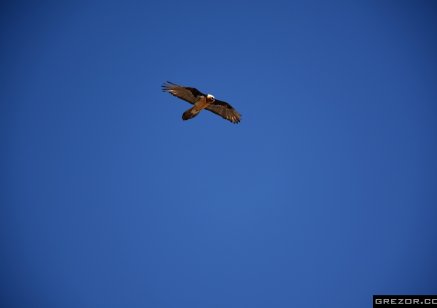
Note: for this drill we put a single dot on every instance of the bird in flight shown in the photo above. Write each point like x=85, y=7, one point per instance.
x=201, y=101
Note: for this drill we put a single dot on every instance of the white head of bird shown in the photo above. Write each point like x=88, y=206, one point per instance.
x=210, y=97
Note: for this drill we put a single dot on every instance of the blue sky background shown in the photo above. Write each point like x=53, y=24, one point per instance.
x=323, y=195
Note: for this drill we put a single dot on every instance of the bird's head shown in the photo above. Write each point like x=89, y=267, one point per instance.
x=210, y=97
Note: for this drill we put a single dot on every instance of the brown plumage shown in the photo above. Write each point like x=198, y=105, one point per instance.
x=201, y=101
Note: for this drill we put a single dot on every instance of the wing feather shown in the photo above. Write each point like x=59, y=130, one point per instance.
x=188, y=94
x=225, y=110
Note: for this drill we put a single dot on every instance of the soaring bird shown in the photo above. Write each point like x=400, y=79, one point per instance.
x=201, y=101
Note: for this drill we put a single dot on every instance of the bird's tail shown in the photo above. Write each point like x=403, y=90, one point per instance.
x=190, y=113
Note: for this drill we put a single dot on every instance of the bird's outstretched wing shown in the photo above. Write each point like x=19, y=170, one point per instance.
x=224, y=110
x=188, y=94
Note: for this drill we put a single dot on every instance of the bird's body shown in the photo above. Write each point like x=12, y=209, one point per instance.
x=201, y=101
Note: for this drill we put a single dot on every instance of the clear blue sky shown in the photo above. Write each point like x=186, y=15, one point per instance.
x=323, y=195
